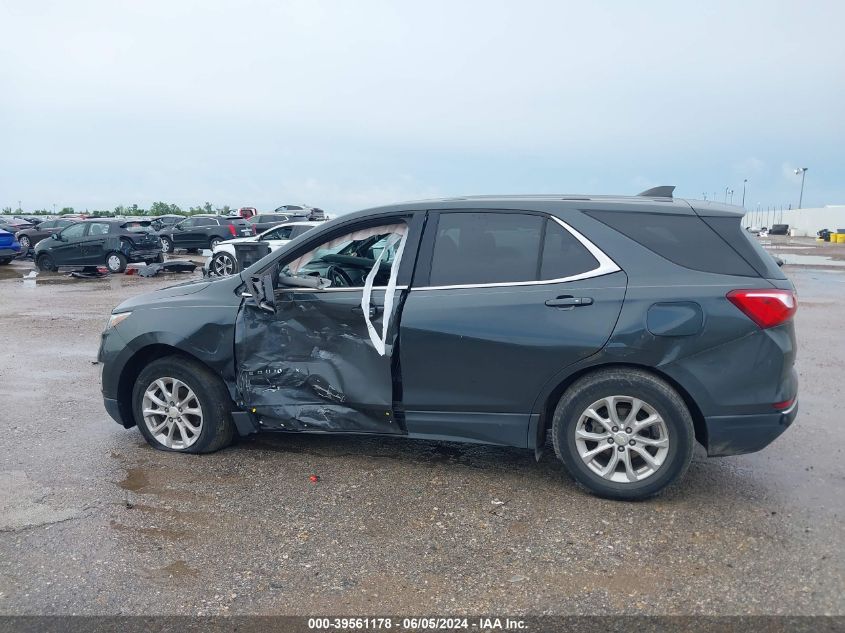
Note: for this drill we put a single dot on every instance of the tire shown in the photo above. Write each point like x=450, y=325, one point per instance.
x=214, y=241
x=45, y=263
x=669, y=442
x=25, y=243
x=166, y=244
x=115, y=262
x=5, y=261
x=216, y=429
x=222, y=265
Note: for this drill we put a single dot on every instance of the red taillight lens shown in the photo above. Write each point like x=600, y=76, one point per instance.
x=783, y=406
x=767, y=308
x=232, y=229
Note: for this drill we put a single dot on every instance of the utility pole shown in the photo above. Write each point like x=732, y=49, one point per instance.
x=803, y=172
x=743, y=192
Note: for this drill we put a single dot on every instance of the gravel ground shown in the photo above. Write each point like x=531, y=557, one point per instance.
x=93, y=521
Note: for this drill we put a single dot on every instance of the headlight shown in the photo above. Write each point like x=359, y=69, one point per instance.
x=117, y=318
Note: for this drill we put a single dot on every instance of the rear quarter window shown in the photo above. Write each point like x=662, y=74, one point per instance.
x=685, y=240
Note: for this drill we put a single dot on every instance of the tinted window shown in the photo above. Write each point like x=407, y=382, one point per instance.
x=63, y=223
x=281, y=233
x=98, y=228
x=47, y=224
x=299, y=230
x=563, y=254
x=186, y=224
x=682, y=239
x=746, y=245
x=74, y=231
x=481, y=248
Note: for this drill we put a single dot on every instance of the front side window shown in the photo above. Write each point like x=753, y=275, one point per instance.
x=281, y=233
x=204, y=222
x=75, y=230
x=348, y=260
x=492, y=248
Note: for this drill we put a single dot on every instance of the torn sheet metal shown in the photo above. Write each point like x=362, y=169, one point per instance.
x=312, y=367
x=172, y=266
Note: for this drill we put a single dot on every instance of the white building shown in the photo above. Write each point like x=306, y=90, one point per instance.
x=806, y=221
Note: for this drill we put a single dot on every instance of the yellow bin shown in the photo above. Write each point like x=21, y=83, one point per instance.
x=840, y=237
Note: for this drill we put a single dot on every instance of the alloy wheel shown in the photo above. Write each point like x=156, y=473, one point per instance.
x=172, y=413
x=622, y=439
x=25, y=244
x=222, y=265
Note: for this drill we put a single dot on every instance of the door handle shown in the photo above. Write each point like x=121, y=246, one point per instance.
x=569, y=302
x=374, y=311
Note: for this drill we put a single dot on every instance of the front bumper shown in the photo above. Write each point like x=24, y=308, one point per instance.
x=739, y=434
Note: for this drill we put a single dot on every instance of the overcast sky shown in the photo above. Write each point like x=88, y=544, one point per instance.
x=350, y=104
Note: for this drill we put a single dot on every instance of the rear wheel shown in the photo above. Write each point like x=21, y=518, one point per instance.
x=25, y=242
x=5, y=261
x=116, y=262
x=623, y=433
x=222, y=265
x=45, y=263
x=179, y=405
x=214, y=242
x=166, y=244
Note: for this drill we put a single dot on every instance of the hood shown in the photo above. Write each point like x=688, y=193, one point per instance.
x=168, y=295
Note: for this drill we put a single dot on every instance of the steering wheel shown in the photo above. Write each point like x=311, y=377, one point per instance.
x=338, y=276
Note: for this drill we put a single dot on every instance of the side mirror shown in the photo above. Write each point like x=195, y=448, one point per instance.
x=56, y=236
x=261, y=288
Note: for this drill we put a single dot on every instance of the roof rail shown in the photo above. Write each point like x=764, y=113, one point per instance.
x=663, y=191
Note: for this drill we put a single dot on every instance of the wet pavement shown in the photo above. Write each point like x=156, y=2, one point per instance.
x=93, y=521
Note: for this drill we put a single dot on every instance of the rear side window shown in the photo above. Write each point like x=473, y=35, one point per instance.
x=682, y=239
x=490, y=247
x=481, y=248
x=563, y=255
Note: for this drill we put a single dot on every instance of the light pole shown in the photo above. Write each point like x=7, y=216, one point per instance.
x=726, y=194
x=743, y=192
x=803, y=172
x=731, y=194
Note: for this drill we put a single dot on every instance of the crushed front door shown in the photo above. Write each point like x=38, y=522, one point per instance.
x=314, y=364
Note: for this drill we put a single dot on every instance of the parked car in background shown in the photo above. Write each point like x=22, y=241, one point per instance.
x=247, y=212
x=9, y=247
x=223, y=260
x=779, y=229
x=30, y=237
x=499, y=320
x=13, y=225
x=105, y=242
x=32, y=219
x=300, y=212
x=204, y=231
x=264, y=221
x=161, y=222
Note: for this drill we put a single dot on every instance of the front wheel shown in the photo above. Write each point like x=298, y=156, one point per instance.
x=214, y=242
x=166, y=244
x=181, y=406
x=5, y=261
x=623, y=433
x=45, y=263
x=222, y=265
x=25, y=243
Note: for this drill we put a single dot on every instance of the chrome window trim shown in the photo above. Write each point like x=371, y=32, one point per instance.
x=605, y=267
x=313, y=290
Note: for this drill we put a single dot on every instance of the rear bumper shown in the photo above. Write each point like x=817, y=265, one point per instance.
x=143, y=254
x=10, y=252
x=738, y=434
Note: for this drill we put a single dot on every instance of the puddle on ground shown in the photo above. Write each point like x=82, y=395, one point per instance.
x=136, y=479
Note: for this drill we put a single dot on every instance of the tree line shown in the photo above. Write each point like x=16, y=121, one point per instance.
x=156, y=208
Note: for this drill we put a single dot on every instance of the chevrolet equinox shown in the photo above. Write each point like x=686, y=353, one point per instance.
x=627, y=328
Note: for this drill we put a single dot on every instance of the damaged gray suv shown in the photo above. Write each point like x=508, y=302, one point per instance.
x=627, y=328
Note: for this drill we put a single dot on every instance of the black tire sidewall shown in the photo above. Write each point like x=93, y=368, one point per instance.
x=657, y=394
x=45, y=263
x=217, y=425
x=214, y=241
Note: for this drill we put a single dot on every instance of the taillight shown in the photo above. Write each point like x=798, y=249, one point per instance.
x=767, y=308
x=232, y=230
